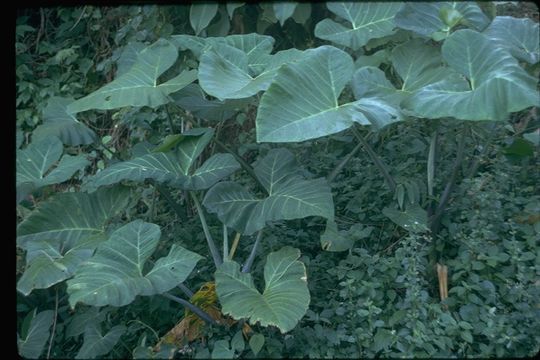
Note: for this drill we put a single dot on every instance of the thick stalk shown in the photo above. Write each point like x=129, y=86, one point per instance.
x=211, y=245
x=225, y=242
x=377, y=160
x=342, y=163
x=431, y=169
x=199, y=312
x=476, y=163
x=54, y=325
x=242, y=162
x=249, y=261
x=185, y=290
x=435, y=221
x=234, y=246
x=169, y=117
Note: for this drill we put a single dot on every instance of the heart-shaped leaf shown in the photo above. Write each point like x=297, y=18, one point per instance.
x=114, y=274
x=139, y=85
x=302, y=101
x=172, y=168
x=58, y=122
x=285, y=298
x=200, y=16
x=284, y=10
x=72, y=217
x=413, y=219
x=95, y=344
x=519, y=36
x=31, y=346
x=289, y=196
x=494, y=84
x=367, y=21
x=427, y=18
x=34, y=164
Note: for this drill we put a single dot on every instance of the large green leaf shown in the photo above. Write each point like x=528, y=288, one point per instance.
x=58, y=122
x=289, y=196
x=302, y=101
x=95, y=344
x=285, y=298
x=200, y=16
x=193, y=99
x=139, y=86
x=227, y=73
x=35, y=161
x=71, y=217
x=494, y=84
x=367, y=21
x=427, y=18
x=37, y=335
x=114, y=274
x=520, y=36
x=417, y=65
x=48, y=263
x=172, y=168
x=284, y=10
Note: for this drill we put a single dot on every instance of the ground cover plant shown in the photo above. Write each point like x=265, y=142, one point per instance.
x=278, y=180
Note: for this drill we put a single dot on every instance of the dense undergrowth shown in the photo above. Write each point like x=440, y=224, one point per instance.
x=380, y=296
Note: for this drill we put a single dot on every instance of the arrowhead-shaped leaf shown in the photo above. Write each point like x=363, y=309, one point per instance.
x=96, y=344
x=367, y=21
x=71, y=217
x=34, y=164
x=289, y=196
x=172, y=168
x=48, y=263
x=417, y=64
x=139, y=86
x=427, y=18
x=285, y=298
x=520, y=36
x=200, y=16
x=302, y=101
x=284, y=10
x=58, y=122
x=37, y=335
x=413, y=219
x=114, y=274
x=495, y=84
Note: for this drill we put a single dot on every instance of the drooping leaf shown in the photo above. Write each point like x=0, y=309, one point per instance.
x=71, y=217
x=285, y=298
x=48, y=263
x=114, y=274
x=413, y=219
x=289, y=196
x=333, y=240
x=302, y=101
x=367, y=21
x=35, y=161
x=172, y=168
x=58, y=122
x=200, y=16
x=193, y=99
x=417, y=64
x=96, y=345
x=90, y=316
x=427, y=18
x=231, y=6
x=139, y=86
x=31, y=346
x=284, y=10
x=494, y=84
x=302, y=13
x=227, y=72
x=519, y=36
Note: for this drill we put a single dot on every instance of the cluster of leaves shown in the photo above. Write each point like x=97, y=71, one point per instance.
x=122, y=193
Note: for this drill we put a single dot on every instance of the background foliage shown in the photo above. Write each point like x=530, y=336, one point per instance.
x=378, y=297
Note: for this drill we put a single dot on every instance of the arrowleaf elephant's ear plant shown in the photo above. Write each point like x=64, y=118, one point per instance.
x=367, y=69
